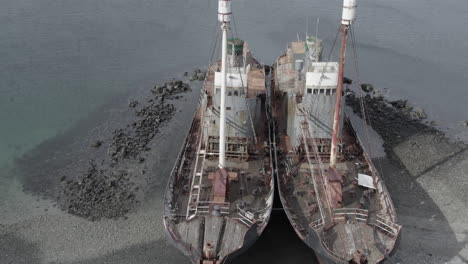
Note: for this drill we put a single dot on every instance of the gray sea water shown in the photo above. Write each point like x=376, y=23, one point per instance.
x=60, y=60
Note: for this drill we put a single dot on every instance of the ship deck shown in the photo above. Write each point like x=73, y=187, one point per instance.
x=357, y=223
x=344, y=213
x=212, y=213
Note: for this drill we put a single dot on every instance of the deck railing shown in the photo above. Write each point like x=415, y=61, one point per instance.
x=386, y=226
x=246, y=217
x=342, y=214
x=204, y=207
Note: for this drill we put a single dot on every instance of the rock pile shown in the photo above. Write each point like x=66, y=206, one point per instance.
x=100, y=193
x=130, y=142
x=169, y=90
x=393, y=120
x=110, y=189
x=198, y=75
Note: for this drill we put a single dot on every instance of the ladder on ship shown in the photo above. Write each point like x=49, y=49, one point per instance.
x=197, y=179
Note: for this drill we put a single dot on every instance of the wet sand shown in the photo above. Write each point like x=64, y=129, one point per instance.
x=426, y=175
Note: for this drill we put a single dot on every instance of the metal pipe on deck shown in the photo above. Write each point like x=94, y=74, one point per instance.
x=224, y=16
x=339, y=94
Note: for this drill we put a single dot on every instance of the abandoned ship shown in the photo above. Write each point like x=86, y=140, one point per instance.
x=330, y=190
x=220, y=192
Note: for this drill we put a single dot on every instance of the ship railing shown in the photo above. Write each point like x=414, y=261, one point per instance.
x=317, y=224
x=204, y=207
x=245, y=217
x=386, y=226
x=342, y=214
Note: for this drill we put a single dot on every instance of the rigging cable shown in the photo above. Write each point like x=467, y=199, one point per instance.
x=364, y=109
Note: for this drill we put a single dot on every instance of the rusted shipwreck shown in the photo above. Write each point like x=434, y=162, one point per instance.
x=220, y=193
x=328, y=185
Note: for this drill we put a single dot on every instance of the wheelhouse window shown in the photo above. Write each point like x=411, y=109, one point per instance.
x=309, y=91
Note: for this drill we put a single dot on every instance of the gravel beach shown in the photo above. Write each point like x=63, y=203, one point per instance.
x=425, y=172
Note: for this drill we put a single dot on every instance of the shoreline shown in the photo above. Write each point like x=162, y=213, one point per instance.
x=56, y=236
x=426, y=173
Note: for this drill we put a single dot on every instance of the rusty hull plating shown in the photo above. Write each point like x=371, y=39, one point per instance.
x=211, y=213
x=343, y=221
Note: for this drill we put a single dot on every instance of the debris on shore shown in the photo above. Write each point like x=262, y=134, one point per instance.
x=404, y=130
x=109, y=189
x=198, y=75
x=100, y=193
x=393, y=120
x=98, y=169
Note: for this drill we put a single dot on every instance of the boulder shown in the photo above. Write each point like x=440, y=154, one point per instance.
x=399, y=104
x=201, y=76
x=367, y=87
x=418, y=114
x=133, y=104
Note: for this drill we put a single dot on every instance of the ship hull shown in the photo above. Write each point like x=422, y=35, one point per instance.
x=250, y=239
x=338, y=206
x=251, y=235
x=213, y=215
x=311, y=237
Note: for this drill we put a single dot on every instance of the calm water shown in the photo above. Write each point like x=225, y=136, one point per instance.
x=62, y=59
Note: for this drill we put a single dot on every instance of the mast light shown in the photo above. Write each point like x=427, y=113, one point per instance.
x=224, y=11
x=349, y=12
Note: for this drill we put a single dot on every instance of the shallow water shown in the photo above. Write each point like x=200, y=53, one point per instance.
x=62, y=60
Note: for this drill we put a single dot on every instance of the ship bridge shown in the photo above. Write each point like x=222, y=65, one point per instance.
x=243, y=86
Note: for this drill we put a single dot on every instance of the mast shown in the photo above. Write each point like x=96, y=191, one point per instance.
x=348, y=17
x=224, y=17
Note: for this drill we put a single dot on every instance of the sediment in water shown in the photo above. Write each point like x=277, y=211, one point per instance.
x=398, y=123
x=99, y=168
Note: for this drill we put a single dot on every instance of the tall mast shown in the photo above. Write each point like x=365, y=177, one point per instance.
x=347, y=18
x=224, y=17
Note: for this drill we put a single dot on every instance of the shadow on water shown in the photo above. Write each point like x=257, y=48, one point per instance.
x=158, y=251
x=426, y=237
x=417, y=153
x=278, y=244
x=420, y=167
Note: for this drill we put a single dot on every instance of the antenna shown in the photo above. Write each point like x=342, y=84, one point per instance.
x=307, y=27
x=317, y=27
